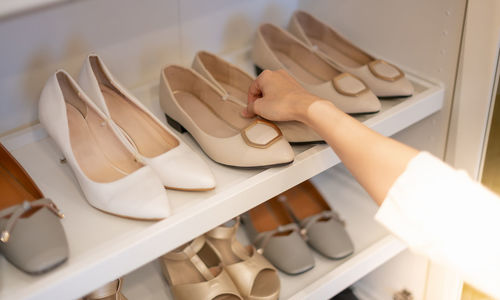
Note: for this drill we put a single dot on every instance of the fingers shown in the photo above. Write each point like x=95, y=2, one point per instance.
x=247, y=113
x=255, y=92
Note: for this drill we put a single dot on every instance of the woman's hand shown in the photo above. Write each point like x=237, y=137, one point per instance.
x=276, y=96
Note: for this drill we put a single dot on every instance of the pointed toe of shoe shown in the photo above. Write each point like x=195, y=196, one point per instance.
x=154, y=208
x=139, y=195
x=280, y=153
x=400, y=88
x=330, y=239
x=181, y=168
x=370, y=103
x=404, y=88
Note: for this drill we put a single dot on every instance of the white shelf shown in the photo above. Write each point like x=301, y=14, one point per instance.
x=104, y=247
x=373, y=246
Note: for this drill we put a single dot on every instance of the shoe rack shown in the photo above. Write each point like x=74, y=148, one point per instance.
x=137, y=38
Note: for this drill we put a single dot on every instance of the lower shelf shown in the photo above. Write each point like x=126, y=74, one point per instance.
x=373, y=247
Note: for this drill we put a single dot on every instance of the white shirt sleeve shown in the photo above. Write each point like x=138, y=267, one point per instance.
x=444, y=214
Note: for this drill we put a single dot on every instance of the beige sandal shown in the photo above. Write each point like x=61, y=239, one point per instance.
x=194, y=271
x=254, y=276
x=110, y=291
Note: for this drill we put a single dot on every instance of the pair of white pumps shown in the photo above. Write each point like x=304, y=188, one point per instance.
x=121, y=154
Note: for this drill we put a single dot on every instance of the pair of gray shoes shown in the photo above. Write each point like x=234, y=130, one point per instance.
x=32, y=236
x=282, y=227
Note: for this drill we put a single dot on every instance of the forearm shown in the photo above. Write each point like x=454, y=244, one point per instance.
x=374, y=160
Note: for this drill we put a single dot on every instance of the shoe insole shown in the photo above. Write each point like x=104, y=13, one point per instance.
x=98, y=151
x=203, y=116
x=262, y=218
x=12, y=191
x=265, y=284
x=297, y=70
x=344, y=54
x=269, y=216
x=305, y=201
x=242, y=96
x=147, y=135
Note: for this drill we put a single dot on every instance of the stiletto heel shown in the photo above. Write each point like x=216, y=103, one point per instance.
x=258, y=70
x=175, y=124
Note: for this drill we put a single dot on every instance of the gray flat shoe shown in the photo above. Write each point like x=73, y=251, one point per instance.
x=32, y=237
x=278, y=238
x=322, y=227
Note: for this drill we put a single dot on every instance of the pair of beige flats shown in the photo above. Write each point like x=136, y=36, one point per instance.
x=328, y=65
x=216, y=266
x=207, y=100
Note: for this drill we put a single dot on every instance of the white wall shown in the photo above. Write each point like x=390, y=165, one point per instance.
x=135, y=38
x=469, y=121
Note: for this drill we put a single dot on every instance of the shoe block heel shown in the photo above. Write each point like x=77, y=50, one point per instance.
x=175, y=124
x=258, y=70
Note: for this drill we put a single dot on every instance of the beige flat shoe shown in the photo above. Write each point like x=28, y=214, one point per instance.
x=383, y=78
x=193, y=104
x=194, y=271
x=275, y=49
x=234, y=83
x=253, y=275
x=110, y=291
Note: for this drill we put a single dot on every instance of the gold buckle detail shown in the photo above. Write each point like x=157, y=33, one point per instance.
x=5, y=236
x=341, y=91
x=371, y=66
x=261, y=146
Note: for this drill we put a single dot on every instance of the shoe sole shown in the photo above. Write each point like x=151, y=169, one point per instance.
x=189, y=190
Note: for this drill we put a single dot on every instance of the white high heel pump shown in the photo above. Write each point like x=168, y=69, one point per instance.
x=113, y=178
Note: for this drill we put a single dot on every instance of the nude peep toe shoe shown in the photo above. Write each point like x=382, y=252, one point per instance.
x=193, y=104
x=194, y=271
x=175, y=163
x=275, y=48
x=112, y=176
x=321, y=226
x=32, y=236
x=253, y=275
x=234, y=83
x=383, y=78
x=110, y=291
